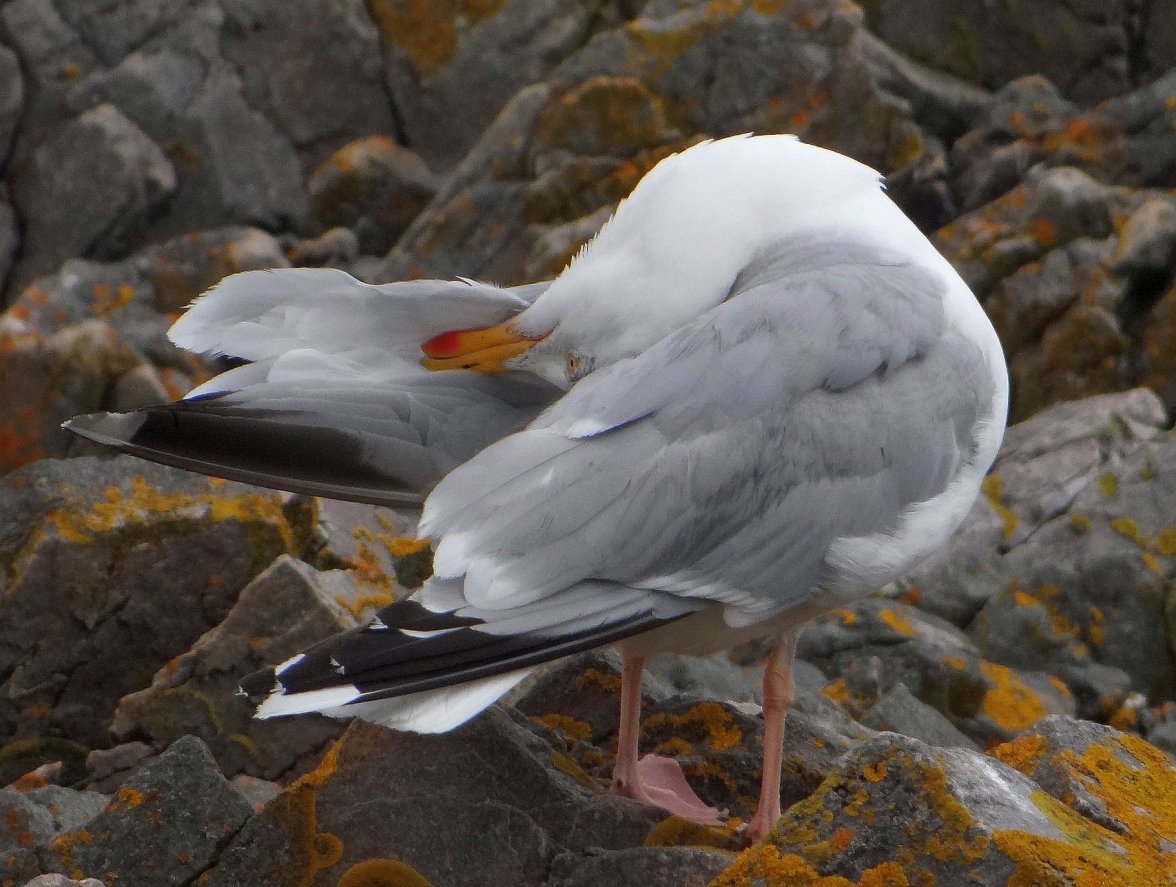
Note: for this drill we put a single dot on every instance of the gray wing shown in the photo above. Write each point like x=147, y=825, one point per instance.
x=333, y=402
x=723, y=461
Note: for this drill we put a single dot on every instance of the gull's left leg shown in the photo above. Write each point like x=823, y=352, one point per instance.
x=653, y=779
x=777, y=699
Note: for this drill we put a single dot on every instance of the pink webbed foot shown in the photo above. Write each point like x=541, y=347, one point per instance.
x=658, y=780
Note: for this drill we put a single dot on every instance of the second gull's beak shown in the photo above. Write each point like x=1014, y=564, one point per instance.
x=485, y=350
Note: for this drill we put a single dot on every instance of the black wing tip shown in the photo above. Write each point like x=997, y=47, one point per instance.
x=258, y=685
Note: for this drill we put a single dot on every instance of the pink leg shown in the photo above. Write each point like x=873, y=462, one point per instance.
x=654, y=779
x=777, y=699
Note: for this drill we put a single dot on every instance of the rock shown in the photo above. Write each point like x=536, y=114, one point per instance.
x=896, y=810
x=258, y=792
x=181, y=269
x=1091, y=584
x=334, y=248
x=108, y=768
x=1044, y=463
x=167, y=824
x=373, y=186
x=1083, y=47
x=45, y=380
x=284, y=610
x=287, y=51
x=871, y=645
x=31, y=819
x=68, y=808
x=451, y=69
x=122, y=564
x=642, y=867
x=580, y=695
x=562, y=152
x=898, y=711
x=89, y=191
x=56, y=880
x=506, y=799
x=9, y=241
x=708, y=677
x=11, y=98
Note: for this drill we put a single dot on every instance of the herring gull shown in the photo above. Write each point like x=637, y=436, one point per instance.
x=758, y=393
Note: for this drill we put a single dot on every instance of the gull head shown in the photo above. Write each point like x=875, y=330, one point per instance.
x=674, y=249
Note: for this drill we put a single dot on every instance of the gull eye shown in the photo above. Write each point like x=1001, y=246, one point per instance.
x=575, y=367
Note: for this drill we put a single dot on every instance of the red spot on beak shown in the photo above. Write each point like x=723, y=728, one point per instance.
x=445, y=345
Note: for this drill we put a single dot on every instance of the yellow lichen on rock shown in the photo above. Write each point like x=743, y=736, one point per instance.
x=383, y=873
x=705, y=722
x=1010, y=703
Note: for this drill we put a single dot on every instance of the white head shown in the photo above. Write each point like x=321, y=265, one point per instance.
x=671, y=251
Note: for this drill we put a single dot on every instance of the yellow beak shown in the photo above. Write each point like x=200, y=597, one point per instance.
x=485, y=350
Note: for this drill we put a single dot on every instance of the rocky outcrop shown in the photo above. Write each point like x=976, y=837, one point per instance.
x=148, y=149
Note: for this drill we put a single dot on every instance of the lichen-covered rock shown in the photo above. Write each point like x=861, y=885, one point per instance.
x=492, y=788
x=895, y=811
x=562, y=152
x=45, y=380
x=373, y=186
x=111, y=568
x=451, y=67
x=166, y=824
x=1092, y=585
x=284, y=610
x=58, y=880
x=870, y=646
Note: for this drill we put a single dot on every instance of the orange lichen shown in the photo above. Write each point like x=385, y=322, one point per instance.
x=601, y=680
x=1080, y=523
x=897, y=621
x=838, y=691
x=569, y=767
x=1108, y=482
x=992, y=488
x=675, y=745
x=1137, y=785
x=570, y=726
x=383, y=873
x=677, y=831
x=404, y=546
x=1010, y=703
x=1129, y=528
x=108, y=299
x=846, y=617
x=1023, y=753
x=425, y=29
x=1166, y=542
x=361, y=605
x=874, y=772
x=709, y=721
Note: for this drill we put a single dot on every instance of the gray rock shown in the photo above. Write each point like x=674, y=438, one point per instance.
x=312, y=69
x=167, y=824
x=500, y=791
x=68, y=808
x=708, y=677
x=89, y=190
x=123, y=564
x=900, y=712
x=9, y=242
x=641, y=867
x=284, y=610
x=108, y=768
x=57, y=880
x=11, y=99
x=25, y=824
x=1082, y=46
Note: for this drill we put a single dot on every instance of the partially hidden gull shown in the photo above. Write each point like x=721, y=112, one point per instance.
x=757, y=394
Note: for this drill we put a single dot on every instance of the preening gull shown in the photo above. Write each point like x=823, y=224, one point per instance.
x=758, y=393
